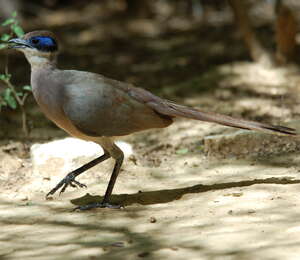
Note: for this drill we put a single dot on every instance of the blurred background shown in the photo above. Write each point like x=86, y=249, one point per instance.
x=174, y=48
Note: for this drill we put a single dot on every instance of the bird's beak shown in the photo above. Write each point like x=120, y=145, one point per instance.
x=18, y=43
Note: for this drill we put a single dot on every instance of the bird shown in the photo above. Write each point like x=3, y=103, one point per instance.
x=95, y=108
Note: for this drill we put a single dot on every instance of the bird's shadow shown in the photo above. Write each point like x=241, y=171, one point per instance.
x=165, y=196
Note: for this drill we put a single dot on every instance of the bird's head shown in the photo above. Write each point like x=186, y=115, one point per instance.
x=39, y=47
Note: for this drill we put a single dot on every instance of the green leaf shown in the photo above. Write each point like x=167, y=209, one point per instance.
x=17, y=30
x=14, y=14
x=9, y=98
x=3, y=45
x=27, y=87
x=5, y=37
x=6, y=93
x=182, y=151
x=8, y=21
x=5, y=77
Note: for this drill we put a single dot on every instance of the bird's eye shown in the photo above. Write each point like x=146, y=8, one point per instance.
x=43, y=43
x=35, y=41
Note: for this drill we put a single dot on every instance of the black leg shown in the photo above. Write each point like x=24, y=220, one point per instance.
x=70, y=178
x=105, y=203
x=113, y=179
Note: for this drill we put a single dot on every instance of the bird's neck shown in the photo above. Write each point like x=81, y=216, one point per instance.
x=42, y=61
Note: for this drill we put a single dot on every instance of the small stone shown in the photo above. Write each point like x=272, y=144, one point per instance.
x=118, y=244
x=153, y=220
x=133, y=159
x=144, y=254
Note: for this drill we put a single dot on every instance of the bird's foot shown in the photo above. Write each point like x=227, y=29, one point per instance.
x=69, y=180
x=98, y=205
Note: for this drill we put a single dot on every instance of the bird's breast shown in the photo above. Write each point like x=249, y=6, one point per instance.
x=48, y=93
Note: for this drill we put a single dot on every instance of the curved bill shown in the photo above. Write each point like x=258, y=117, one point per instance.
x=18, y=43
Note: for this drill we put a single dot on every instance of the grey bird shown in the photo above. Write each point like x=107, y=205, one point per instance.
x=92, y=107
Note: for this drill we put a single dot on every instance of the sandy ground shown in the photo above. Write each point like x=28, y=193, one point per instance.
x=183, y=206
x=179, y=204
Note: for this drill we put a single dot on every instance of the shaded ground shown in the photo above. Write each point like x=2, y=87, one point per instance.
x=179, y=204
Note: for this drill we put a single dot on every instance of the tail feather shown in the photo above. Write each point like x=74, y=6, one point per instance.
x=174, y=110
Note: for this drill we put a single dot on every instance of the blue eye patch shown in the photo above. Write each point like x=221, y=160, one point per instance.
x=43, y=43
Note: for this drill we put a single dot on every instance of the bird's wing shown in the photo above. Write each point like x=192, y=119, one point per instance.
x=98, y=106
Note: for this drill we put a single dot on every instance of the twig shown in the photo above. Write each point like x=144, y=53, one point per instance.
x=20, y=100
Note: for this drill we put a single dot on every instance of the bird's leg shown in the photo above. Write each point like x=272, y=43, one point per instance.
x=119, y=157
x=69, y=180
x=113, y=179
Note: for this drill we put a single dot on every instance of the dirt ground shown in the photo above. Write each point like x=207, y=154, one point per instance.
x=179, y=203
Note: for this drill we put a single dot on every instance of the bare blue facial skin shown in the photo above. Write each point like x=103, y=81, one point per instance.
x=43, y=43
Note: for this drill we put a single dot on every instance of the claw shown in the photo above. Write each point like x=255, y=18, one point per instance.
x=81, y=185
x=69, y=180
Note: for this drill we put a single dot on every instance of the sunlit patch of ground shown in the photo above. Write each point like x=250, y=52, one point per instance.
x=184, y=206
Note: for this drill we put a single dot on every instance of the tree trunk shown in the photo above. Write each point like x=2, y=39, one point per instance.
x=286, y=30
x=257, y=52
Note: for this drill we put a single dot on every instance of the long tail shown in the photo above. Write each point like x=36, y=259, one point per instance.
x=169, y=108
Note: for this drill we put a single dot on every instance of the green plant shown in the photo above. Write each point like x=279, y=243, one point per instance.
x=12, y=96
